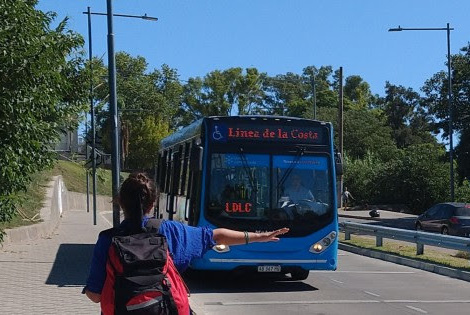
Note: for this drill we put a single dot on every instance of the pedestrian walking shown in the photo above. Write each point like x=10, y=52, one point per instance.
x=347, y=196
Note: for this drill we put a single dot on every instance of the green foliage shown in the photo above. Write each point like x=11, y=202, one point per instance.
x=361, y=177
x=437, y=103
x=421, y=182
x=41, y=93
x=462, y=152
x=408, y=178
x=365, y=131
x=146, y=137
x=462, y=192
x=220, y=92
x=357, y=93
x=409, y=122
x=145, y=100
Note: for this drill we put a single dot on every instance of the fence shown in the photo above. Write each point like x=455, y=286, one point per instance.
x=417, y=237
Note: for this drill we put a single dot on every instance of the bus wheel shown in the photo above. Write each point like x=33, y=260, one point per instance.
x=299, y=274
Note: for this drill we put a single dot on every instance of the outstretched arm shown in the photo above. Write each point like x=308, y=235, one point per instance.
x=231, y=237
x=95, y=297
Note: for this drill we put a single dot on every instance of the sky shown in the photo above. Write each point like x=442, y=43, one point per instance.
x=280, y=36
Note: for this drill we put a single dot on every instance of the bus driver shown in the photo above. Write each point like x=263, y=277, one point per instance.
x=296, y=191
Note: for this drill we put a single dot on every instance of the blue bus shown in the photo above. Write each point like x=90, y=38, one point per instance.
x=255, y=173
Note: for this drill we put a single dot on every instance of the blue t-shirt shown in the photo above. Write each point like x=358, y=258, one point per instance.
x=184, y=243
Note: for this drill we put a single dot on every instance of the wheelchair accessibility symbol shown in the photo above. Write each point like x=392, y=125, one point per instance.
x=217, y=133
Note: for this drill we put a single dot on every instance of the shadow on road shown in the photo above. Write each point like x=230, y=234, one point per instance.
x=234, y=282
x=71, y=265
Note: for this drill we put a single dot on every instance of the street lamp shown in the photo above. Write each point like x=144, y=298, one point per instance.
x=314, y=91
x=449, y=74
x=112, y=102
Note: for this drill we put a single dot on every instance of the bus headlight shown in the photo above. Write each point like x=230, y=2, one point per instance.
x=323, y=243
x=221, y=248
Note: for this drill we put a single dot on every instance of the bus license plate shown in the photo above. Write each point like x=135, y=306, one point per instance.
x=269, y=268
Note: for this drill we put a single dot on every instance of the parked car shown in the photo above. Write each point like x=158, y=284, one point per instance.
x=451, y=218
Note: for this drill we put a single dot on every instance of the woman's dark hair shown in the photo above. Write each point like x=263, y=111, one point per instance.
x=136, y=197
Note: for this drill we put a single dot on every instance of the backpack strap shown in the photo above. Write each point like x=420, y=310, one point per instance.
x=153, y=224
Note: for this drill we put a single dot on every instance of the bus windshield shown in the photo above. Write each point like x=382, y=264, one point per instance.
x=267, y=191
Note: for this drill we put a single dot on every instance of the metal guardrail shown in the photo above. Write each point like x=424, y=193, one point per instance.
x=417, y=237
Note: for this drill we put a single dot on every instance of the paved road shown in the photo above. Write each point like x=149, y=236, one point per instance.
x=361, y=285
x=387, y=218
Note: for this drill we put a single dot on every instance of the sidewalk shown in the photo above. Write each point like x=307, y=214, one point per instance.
x=46, y=276
x=43, y=267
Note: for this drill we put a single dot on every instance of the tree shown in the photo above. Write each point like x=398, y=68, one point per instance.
x=357, y=94
x=417, y=181
x=145, y=142
x=365, y=131
x=436, y=103
x=462, y=151
x=410, y=123
x=222, y=93
x=144, y=98
x=42, y=93
x=292, y=94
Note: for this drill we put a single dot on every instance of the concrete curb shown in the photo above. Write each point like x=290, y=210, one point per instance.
x=54, y=204
x=196, y=307
x=442, y=270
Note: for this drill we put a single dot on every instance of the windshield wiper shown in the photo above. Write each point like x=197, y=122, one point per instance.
x=246, y=167
x=289, y=170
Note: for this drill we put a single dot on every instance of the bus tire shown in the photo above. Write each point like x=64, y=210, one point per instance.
x=299, y=274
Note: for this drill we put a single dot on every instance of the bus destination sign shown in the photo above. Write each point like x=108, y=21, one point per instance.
x=302, y=134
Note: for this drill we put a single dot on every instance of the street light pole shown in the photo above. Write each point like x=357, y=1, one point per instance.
x=449, y=98
x=114, y=112
x=451, y=117
x=314, y=97
x=92, y=117
x=112, y=100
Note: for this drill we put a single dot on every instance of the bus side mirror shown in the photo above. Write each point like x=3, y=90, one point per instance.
x=338, y=164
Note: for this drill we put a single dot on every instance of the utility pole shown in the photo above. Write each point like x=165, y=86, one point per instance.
x=340, y=131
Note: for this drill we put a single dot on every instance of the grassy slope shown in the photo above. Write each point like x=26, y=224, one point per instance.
x=408, y=250
x=74, y=175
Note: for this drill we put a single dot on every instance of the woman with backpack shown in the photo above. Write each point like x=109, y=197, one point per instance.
x=109, y=270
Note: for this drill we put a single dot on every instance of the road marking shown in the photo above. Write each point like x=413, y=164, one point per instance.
x=417, y=309
x=337, y=281
x=103, y=216
x=235, y=303
x=373, y=294
x=292, y=302
x=426, y=302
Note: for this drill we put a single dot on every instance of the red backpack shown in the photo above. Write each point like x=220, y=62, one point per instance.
x=141, y=278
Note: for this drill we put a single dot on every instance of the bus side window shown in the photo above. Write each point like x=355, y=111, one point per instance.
x=163, y=171
x=168, y=171
x=184, y=175
x=176, y=173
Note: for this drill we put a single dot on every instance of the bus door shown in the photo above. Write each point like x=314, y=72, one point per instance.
x=192, y=209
